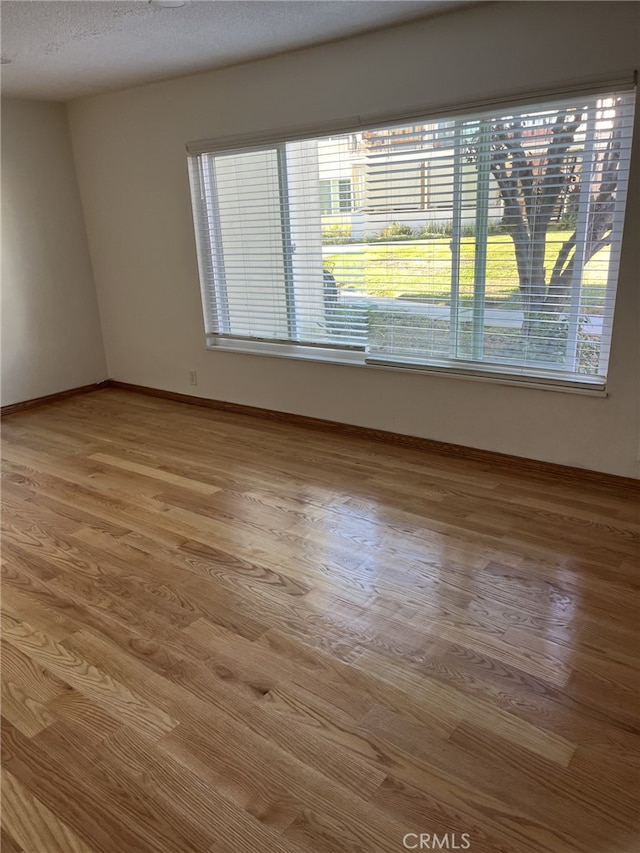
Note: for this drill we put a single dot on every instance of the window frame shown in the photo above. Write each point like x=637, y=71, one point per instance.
x=340, y=200
x=454, y=368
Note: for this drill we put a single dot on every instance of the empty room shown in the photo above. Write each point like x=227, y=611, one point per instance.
x=320, y=426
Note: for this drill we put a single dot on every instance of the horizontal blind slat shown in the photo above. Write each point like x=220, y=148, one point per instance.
x=407, y=236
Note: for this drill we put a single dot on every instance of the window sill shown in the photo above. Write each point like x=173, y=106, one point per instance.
x=322, y=355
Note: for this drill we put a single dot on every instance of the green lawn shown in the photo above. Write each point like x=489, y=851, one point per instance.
x=424, y=271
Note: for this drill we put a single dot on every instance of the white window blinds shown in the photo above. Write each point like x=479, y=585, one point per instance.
x=486, y=242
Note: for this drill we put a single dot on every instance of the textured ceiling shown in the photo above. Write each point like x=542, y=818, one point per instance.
x=61, y=50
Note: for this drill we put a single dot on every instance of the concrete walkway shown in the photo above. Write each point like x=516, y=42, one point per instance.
x=506, y=318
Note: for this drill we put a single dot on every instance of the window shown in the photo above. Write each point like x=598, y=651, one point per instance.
x=484, y=243
x=335, y=196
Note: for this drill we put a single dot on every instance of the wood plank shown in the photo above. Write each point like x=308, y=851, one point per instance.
x=248, y=634
x=87, y=679
x=173, y=783
x=8, y=844
x=27, y=714
x=104, y=814
x=509, y=726
x=32, y=824
x=156, y=474
x=35, y=680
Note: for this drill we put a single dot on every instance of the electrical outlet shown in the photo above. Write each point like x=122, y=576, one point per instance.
x=193, y=377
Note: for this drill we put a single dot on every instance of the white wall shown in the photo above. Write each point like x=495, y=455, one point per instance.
x=130, y=156
x=51, y=336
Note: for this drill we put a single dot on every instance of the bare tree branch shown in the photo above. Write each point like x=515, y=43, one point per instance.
x=551, y=183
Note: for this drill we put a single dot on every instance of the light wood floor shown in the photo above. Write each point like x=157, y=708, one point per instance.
x=227, y=634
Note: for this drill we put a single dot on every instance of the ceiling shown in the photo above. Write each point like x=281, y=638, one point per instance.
x=62, y=50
